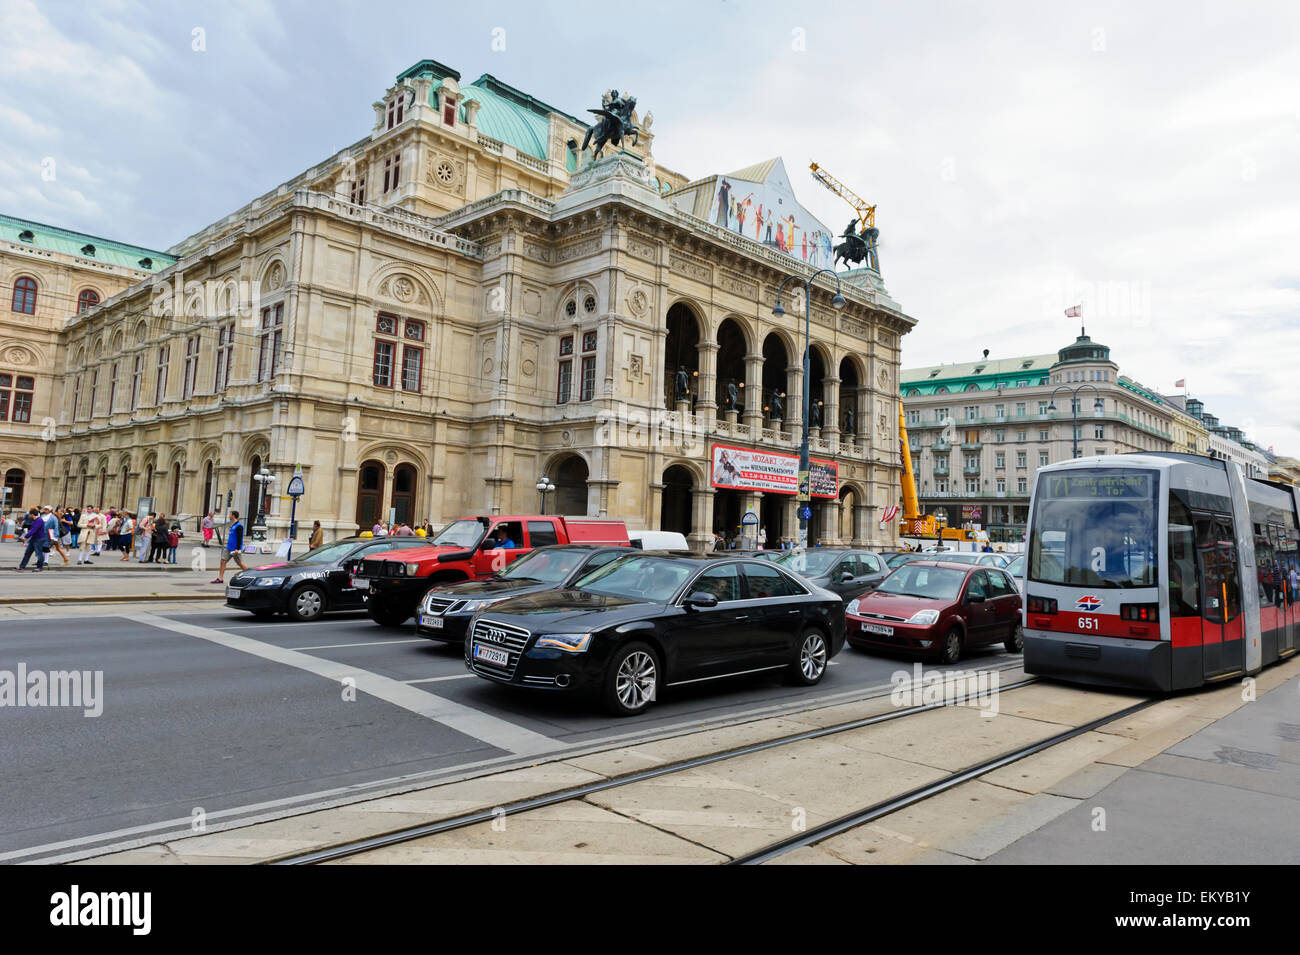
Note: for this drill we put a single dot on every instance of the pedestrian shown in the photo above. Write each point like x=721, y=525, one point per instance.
x=159, y=540
x=718, y=542
x=403, y=530
x=76, y=527
x=174, y=537
x=317, y=536
x=126, y=534
x=209, y=528
x=61, y=533
x=37, y=536
x=378, y=530
x=91, y=524
x=114, y=530
x=234, y=548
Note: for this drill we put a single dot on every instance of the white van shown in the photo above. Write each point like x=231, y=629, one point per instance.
x=659, y=540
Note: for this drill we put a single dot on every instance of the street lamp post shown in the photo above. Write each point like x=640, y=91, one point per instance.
x=1098, y=403
x=264, y=478
x=545, y=486
x=837, y=302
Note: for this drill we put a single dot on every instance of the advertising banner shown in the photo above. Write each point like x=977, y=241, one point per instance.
x=744, y=469
x=972, y=512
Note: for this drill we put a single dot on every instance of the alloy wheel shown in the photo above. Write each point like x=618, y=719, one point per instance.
x=636, y=680
x=812, y=656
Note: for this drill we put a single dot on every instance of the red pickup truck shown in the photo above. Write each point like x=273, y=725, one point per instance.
x=471, y=548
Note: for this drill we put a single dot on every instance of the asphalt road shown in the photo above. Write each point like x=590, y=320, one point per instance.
x=218, y=712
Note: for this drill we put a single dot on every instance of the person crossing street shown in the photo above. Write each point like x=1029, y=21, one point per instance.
x=234, y=547
x=37, y=537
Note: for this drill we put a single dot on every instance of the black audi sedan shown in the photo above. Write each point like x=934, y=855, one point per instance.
x=642, y=623
x=849, y=573
x=445, y=612
x=309, y=585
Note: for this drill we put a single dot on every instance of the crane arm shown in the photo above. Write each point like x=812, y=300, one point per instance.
x=866, y=212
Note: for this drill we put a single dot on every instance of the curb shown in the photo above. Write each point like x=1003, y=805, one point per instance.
x=107, y=598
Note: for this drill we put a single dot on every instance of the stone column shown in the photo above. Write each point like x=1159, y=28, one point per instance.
x=831, y=411
x=752, y=395
x=861, y=532
x=707, y=405
x=702, y=518
x=792, y=519
x=794, y=400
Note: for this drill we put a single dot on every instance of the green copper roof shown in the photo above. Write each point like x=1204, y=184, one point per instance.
x=984, y=375
x=54, y=239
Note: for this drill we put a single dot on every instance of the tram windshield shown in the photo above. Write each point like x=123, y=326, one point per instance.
x=1094, y=528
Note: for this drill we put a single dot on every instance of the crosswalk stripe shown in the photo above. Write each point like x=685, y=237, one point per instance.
x=496, y=732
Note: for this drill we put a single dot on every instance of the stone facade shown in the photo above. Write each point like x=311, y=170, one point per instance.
x=477, y=317
x=979, y=431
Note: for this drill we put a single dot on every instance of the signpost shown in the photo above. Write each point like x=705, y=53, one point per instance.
x=297, y=488
x=749, y=530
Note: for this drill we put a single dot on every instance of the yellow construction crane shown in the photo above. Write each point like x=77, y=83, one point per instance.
x=866, y=212
x=914, y=523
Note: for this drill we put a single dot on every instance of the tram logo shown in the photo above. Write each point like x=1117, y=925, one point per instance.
x=1088, y=602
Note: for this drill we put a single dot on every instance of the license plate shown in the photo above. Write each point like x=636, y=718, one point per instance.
x=361, y=583
x=879, y=628
x=489, y=655
x=434, y=623
x=232, y=593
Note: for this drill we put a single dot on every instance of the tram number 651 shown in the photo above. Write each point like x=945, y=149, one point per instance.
x=1089, y=623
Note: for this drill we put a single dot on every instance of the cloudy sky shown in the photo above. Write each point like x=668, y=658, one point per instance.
x=1143, y=159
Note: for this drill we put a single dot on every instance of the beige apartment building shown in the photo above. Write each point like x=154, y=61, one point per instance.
x=460, y=302
x=980, y=430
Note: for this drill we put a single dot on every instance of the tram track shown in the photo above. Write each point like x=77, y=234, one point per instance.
x=466, y=820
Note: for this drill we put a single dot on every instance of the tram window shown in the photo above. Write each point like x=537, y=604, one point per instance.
x=1265, y=567
x=1184, y=591
x=1095, y=529
x=1218, y=556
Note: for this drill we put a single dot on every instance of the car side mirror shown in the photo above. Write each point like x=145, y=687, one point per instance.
x=700, y=600
x=845, y=577
x=489, y=544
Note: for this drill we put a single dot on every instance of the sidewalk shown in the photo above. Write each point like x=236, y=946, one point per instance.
x=108, y=577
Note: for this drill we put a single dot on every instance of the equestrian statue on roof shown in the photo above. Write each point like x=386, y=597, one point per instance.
x=858, y=246
x=615, y=122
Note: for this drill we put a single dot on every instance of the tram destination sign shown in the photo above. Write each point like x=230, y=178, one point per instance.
x=1132, y=484
x=744, y=469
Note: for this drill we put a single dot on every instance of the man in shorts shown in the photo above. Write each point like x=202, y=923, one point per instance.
x=234, y=548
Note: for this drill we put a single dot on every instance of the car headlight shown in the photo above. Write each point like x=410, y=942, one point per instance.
x=852, y=607
x=924, y=617
x=411, y=569
x=474, y=606
x=268, y=581
x=569, y=642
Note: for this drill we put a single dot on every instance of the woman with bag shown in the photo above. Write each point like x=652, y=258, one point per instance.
x=209, y=527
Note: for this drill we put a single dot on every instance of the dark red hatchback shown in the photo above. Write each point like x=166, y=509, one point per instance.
x=937, y=608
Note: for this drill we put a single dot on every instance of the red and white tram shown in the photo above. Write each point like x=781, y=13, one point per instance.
x=1159, y=571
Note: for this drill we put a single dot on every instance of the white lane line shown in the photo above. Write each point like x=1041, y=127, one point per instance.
x=364, y=643
x=439, y=679
x=463, y=719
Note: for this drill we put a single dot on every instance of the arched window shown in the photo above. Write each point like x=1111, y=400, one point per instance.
x=207, y=488
x=14, y=480
x=86, y=300
x=176, y=489
x=25, y=296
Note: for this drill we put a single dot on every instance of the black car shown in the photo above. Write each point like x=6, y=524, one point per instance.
x=445, y=612
x=313, y=583
x=848, y=572
x=644, y=622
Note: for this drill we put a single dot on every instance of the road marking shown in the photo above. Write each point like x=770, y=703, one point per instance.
x=463, y=719
x=364, y=643
x=439, y=679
